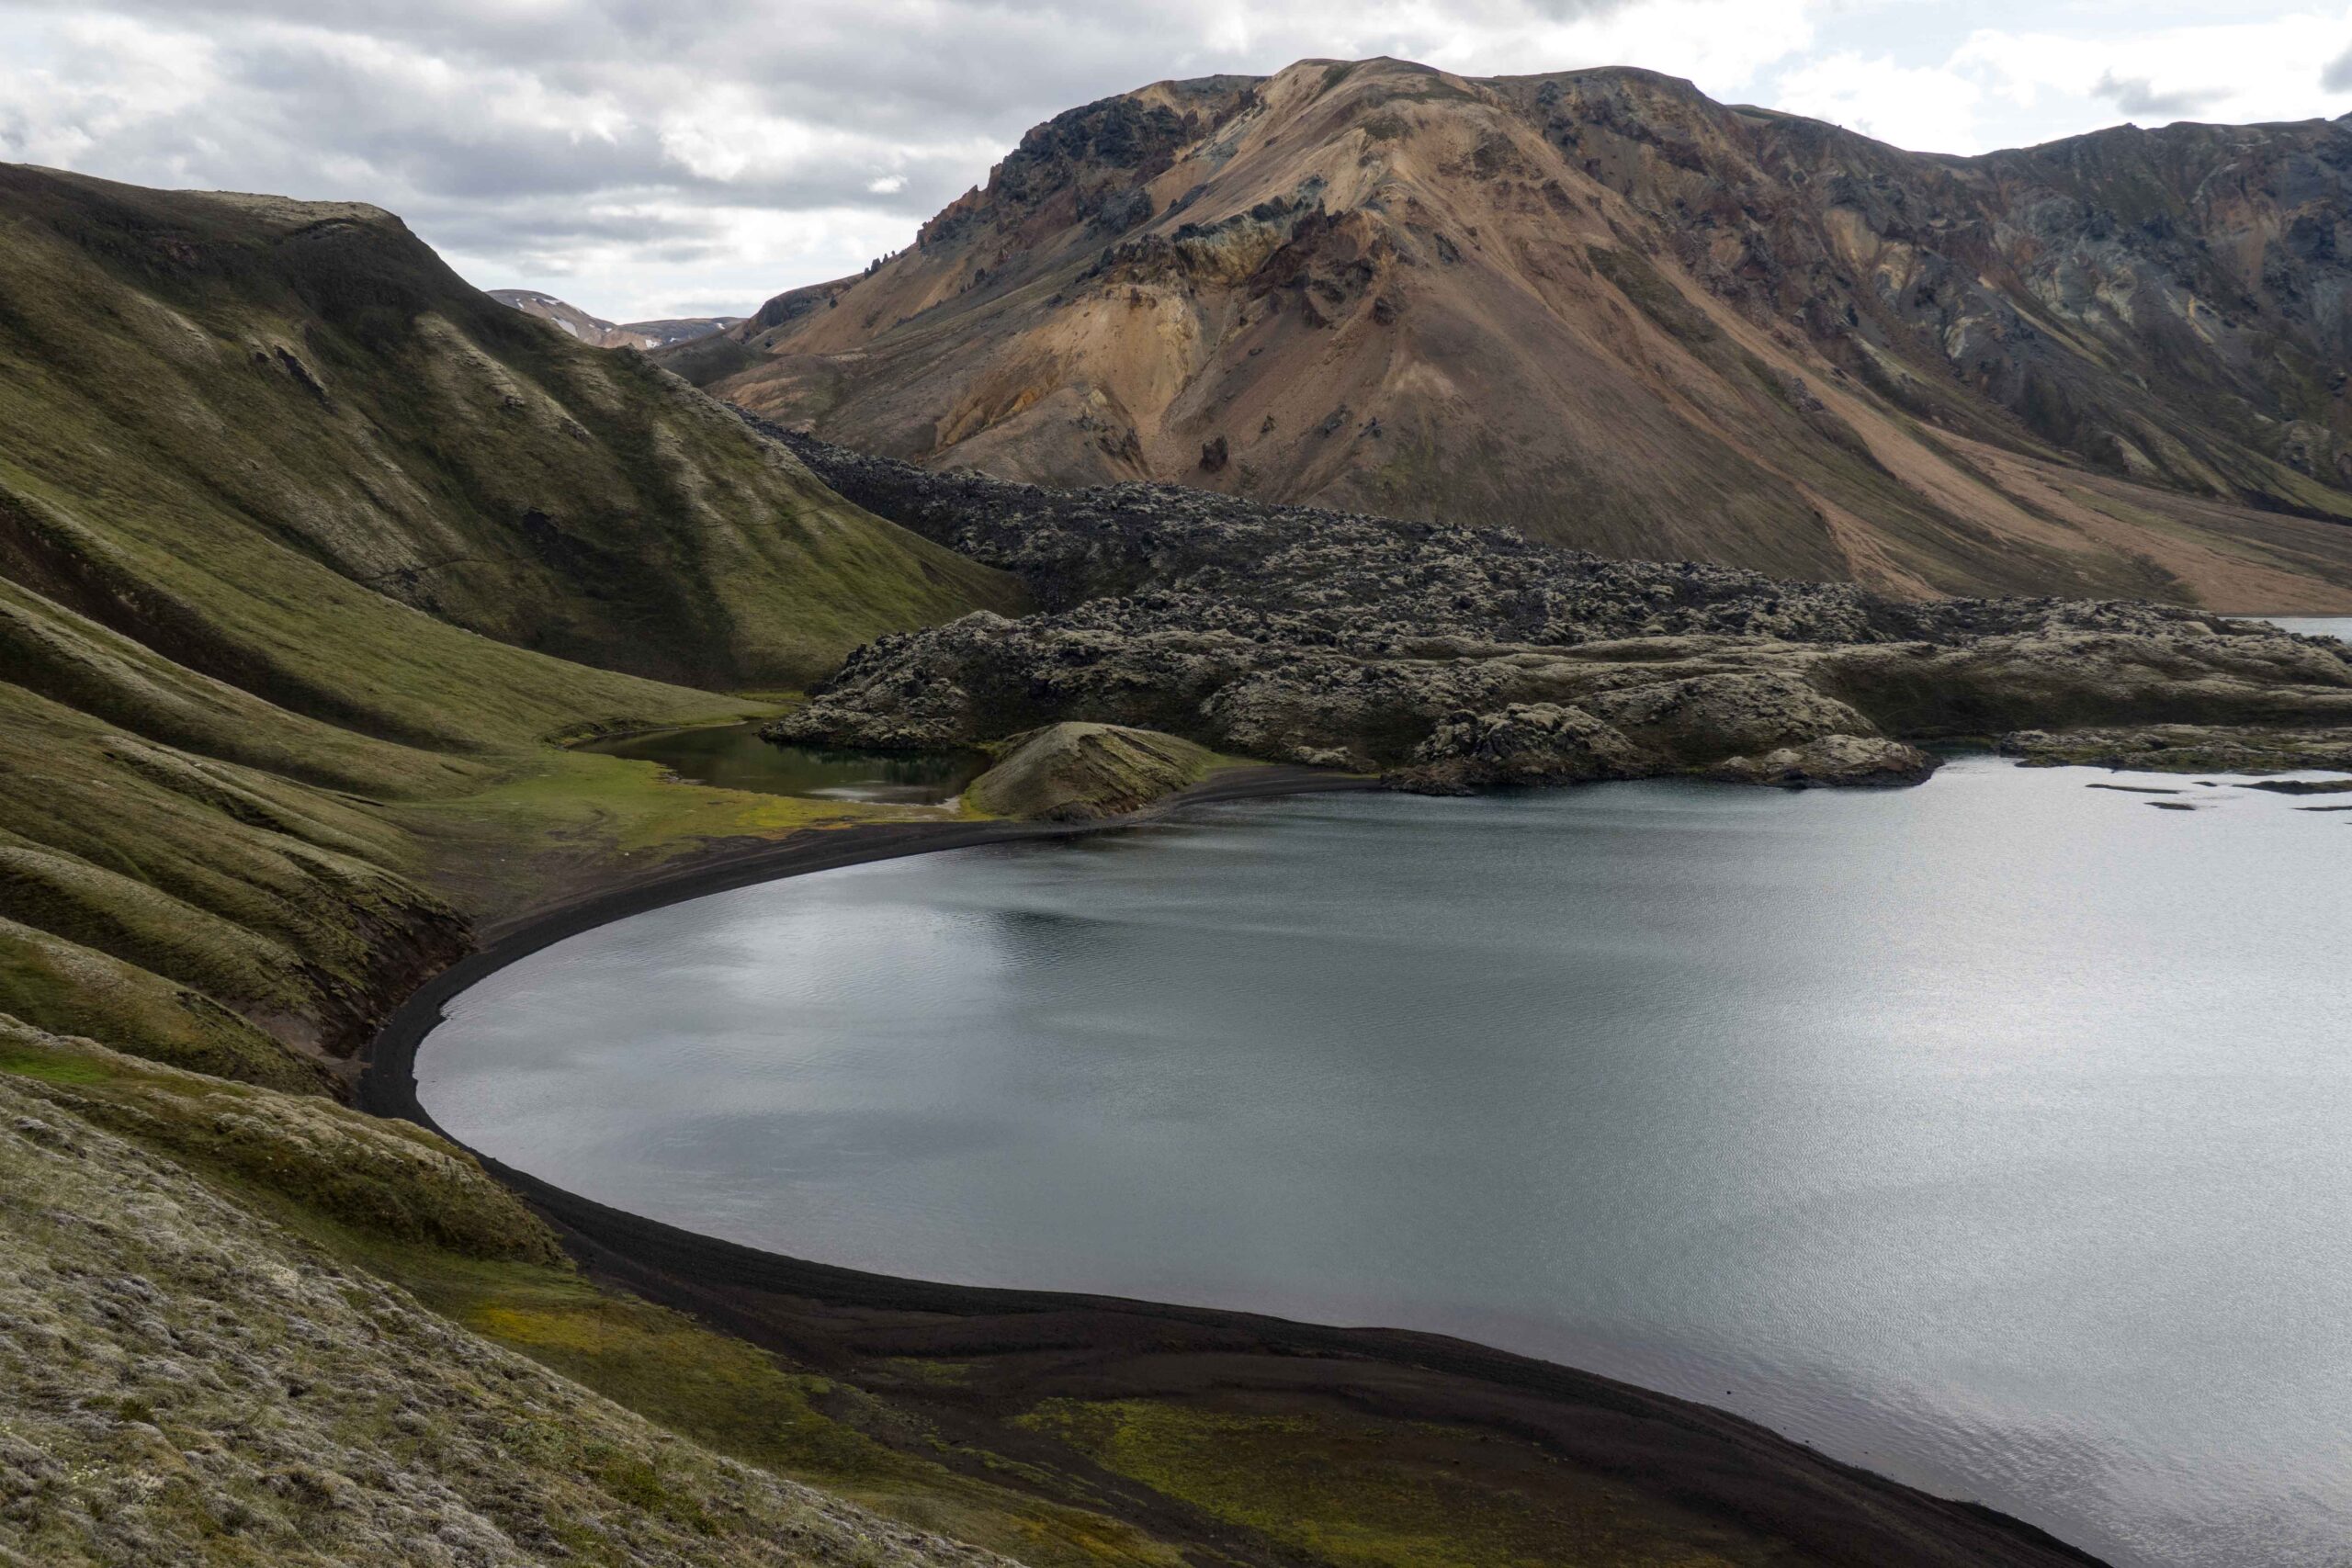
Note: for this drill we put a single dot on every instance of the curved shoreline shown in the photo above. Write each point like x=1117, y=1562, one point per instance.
x=387, y=1083
x=1072, y=1345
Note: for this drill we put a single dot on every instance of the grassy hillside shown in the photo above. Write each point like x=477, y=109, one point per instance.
x=248, y=431
x=304, y=544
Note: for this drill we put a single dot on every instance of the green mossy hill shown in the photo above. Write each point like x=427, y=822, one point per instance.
x=390, y=1180
x=1080, y=773
x=1360, y=1491
x=186, y=1381
x=395, y=1201
x=303, y=540
x=249, y=431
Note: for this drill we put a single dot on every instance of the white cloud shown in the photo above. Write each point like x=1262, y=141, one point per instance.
x=67, y=91
x=650, y=154
x=1719, y=44
x=2258, y=68
x=1923, y=109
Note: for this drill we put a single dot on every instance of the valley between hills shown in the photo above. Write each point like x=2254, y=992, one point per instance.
x=313, y=560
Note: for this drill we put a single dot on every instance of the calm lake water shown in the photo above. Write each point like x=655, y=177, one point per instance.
x=732, y=756
x=1992, y=1134
x=2314, y=626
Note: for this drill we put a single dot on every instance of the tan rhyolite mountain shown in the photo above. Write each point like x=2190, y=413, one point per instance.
x=1602, y=308
x=598, y=333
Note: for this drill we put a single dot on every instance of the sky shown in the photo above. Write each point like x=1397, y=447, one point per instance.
x=652, y=158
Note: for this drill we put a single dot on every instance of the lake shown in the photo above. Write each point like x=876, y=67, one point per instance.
x=1991, y=1134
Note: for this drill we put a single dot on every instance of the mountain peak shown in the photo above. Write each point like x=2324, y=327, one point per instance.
x=598, y=333
x=1603, y=307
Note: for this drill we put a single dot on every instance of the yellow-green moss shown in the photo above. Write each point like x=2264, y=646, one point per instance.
x=1359, y=1492
x=384, y=1179
x=730, y=1397
x=1075, y=772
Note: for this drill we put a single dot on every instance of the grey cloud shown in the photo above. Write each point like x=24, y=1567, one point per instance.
x=2337, y=77
x=403, y=104
x=2137, y=96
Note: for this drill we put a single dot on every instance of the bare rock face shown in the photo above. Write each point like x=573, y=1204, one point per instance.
x=1083, y=773
x=1603, y=308
x=1455, y=658
x=1526, y=743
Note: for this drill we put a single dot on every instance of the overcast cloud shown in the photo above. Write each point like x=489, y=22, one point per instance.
x=660, y=157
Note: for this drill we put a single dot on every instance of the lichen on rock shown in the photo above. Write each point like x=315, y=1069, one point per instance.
x=182, y=1381
x=1831, y=759
x=1453, y=658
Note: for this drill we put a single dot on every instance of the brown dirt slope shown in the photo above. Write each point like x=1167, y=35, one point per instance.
x=1604, y=308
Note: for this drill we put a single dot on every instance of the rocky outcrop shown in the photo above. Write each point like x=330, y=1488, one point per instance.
x=1526, y=743
x=2184, y=748
x=1832, y=759
x=1456, y=658
x=1601, y=307
x=1083, y=773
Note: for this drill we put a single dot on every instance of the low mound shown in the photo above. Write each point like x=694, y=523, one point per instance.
x=1082, y=773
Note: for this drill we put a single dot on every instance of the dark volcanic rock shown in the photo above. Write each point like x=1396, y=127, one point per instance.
x=2186, y=749
x=1832, y=759
x=1453, y=658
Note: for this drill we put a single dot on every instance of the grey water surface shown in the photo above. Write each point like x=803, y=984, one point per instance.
x=1996, y=1135
x=2338, y=626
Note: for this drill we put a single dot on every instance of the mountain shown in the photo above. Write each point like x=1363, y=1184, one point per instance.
x=258, y=435
x=598, y=333
x=299, y=533
x=1604, y=308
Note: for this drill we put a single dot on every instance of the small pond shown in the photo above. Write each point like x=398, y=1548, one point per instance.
x=732, y=756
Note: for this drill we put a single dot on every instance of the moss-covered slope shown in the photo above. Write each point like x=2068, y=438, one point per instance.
x=1079, y=773
x=250, y=432
x=196, y=1383
x=294, y=526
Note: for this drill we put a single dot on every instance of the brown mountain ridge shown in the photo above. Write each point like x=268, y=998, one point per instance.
x=1600, y=307
x=598, y=333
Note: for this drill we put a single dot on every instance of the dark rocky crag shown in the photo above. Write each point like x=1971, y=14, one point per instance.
x=1450, y=657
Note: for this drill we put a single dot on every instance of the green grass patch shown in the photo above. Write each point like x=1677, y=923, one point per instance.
x=727, y=1396
x=1357, y=1492
x=52, y=1069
